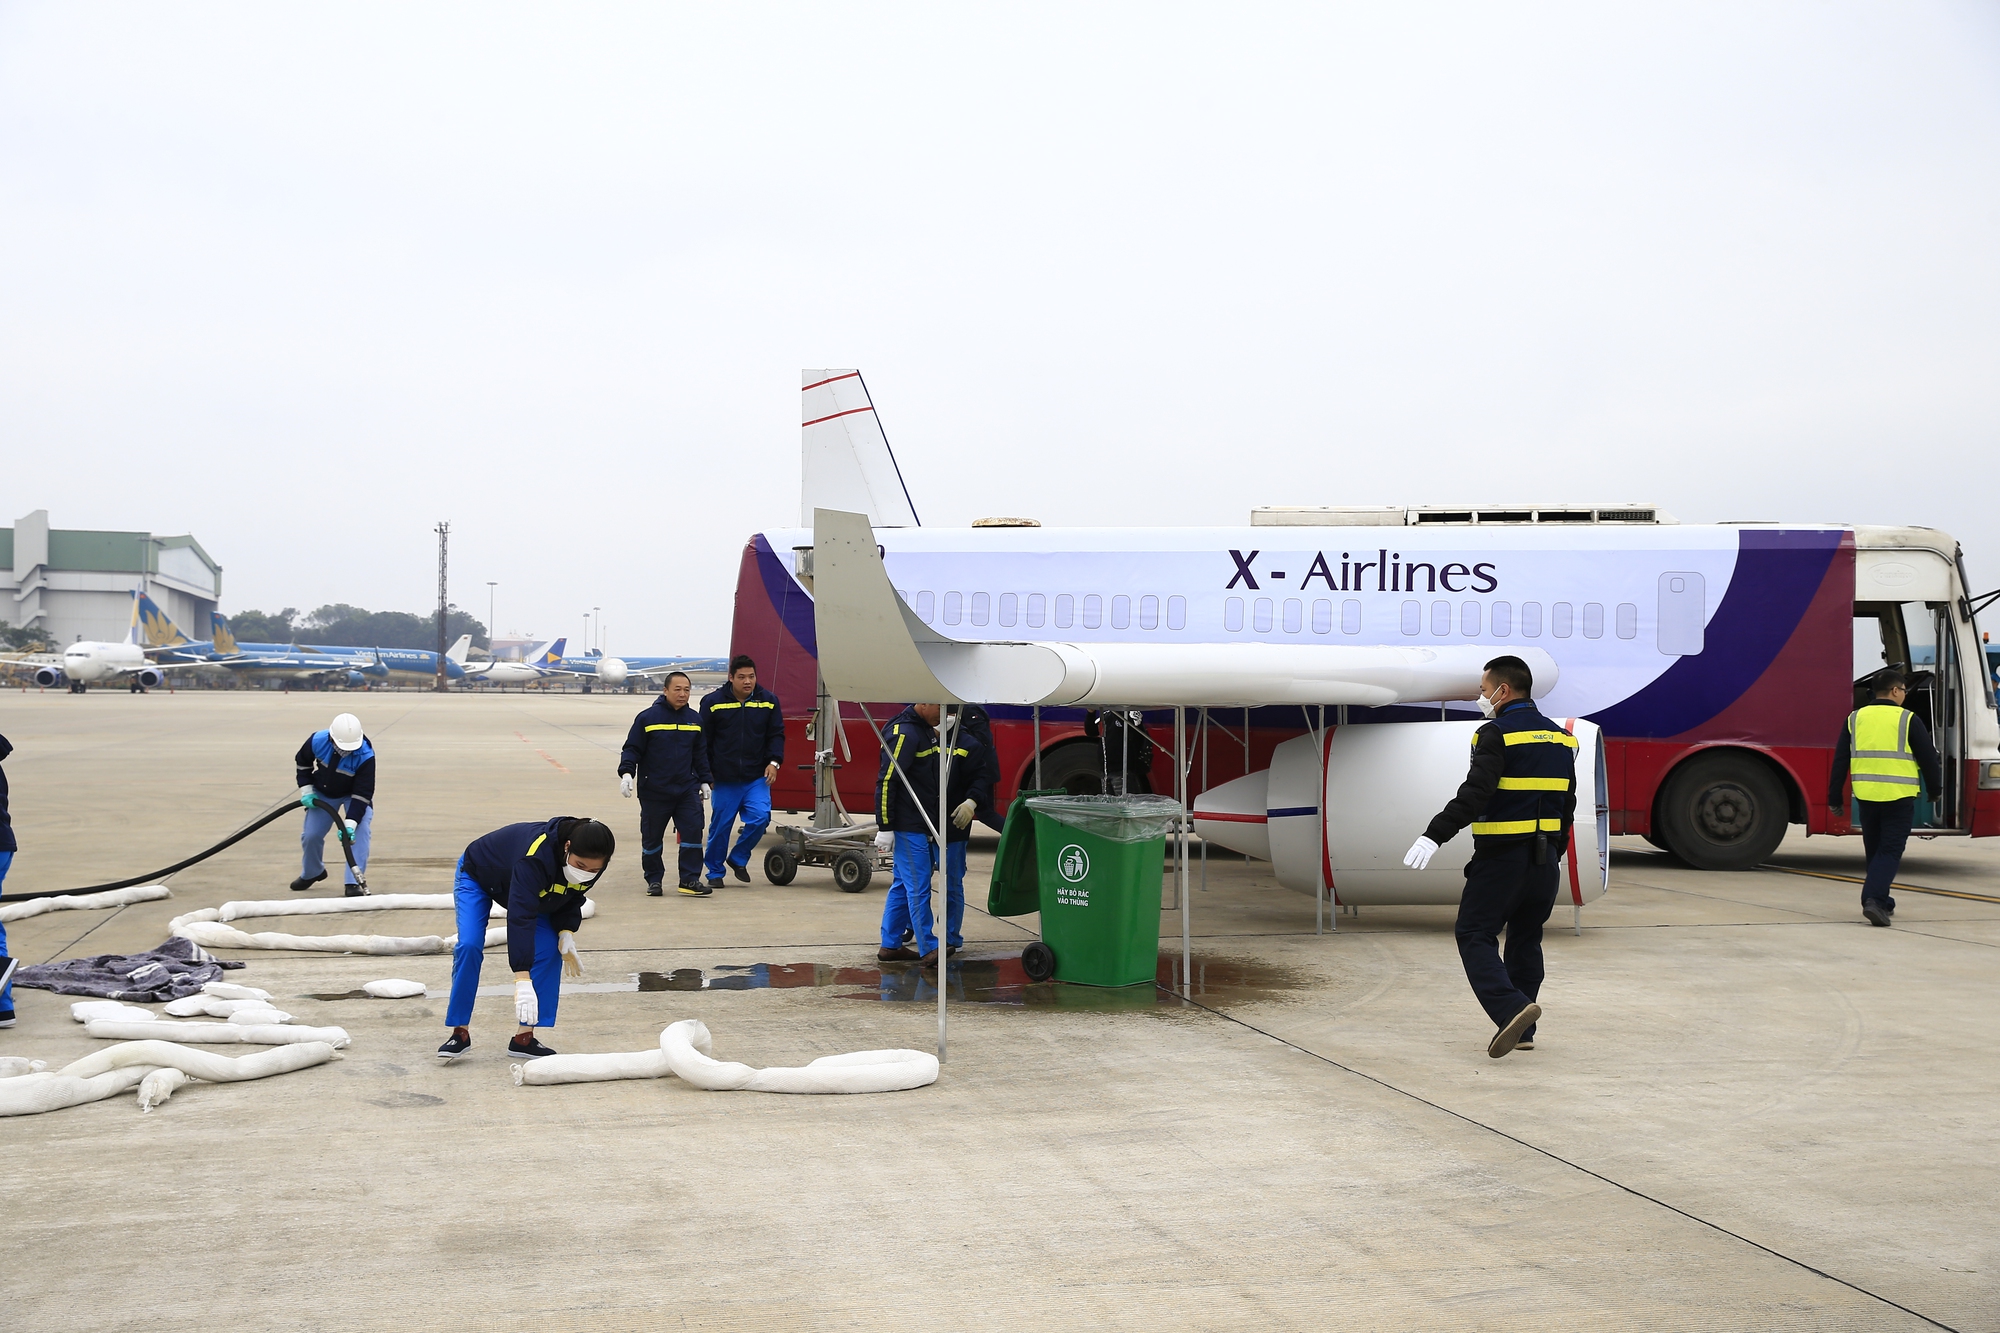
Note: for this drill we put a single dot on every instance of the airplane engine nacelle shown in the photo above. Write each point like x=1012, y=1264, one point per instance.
x=611, y=670
x=150, y=676
x=1383, y=783
x=355, y=680
x=49, y=675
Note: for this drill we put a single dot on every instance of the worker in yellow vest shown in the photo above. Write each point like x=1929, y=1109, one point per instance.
x=1888, y=750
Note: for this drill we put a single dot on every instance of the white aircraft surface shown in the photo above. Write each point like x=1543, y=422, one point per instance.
x=544, y=662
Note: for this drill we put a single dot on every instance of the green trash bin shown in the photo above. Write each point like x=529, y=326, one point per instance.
x=1091, y=866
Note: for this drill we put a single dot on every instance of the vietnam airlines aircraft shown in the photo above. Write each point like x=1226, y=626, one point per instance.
x=326, y=663
x=89, y=662
x=615, y=671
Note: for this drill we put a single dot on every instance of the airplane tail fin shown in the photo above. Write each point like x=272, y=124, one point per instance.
x=150, y=626
x=218, y=626
x=551, y=653
x=458, y=650
x=846, y=462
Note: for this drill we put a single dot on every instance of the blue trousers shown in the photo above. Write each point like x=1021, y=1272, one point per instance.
x=319, y=822
x=685, y=812
x=1506, y=889
x=727, y=800
x=7, y=991
x=1885, y=832
x=908, y=909
x=472, y=906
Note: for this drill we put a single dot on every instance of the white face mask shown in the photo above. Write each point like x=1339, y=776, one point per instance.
x=579, y=876
x=1486, y=708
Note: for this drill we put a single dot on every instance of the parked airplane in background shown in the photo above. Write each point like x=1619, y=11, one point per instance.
x=541, y=664
x=89, y=662
x=324, y=663
x=616, y=671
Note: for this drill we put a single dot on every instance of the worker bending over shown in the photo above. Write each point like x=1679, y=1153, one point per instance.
x=907, y=810
x=540, y=873
x=1889, y=750
x=980, y=728
x=665, y=761
x=336, y=771
x=744, y=730
x=1520, y=798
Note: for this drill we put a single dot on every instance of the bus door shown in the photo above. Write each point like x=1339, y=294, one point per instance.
x=1918, y=637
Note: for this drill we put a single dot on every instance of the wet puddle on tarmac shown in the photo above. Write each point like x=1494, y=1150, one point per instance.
x=991, y=980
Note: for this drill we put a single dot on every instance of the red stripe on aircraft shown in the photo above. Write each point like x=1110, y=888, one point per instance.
x=848, y=413
x=1233, y=819
x=850, y=375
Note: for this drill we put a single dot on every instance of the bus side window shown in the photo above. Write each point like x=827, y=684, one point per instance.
x=1681, y=629
x=1232, y=615
x=1562, y=620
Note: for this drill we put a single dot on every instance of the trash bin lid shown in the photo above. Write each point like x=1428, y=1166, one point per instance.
x=1113, y=818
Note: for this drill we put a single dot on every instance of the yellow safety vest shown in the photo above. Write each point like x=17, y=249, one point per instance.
x=1884, y=767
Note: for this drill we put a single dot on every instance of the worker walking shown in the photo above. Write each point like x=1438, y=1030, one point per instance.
x=744, y=730
x=1888, y=750
x=906, y=786
x=7, y=849
x=336, y=774
x=539, y=872
x=1520, y=799
x=665, y=761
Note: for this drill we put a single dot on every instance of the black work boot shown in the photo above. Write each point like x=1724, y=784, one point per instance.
x=653, y=889
x=301, y=884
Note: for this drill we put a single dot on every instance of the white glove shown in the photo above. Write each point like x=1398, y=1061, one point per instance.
x=566, y=946
x=624, y=784
x=353, y=828
x=1420, y=853
x=304, y=792
x=525, y=1009
x=885, y=841
x=962, y=817
x=704, y=791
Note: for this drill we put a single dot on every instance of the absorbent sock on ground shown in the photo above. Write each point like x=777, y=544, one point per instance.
x=216, y=1034
x=117, y=1068
x=159, y=1085
x=85, y=1010
x=13, y=1066
x=82, y=902
x=685, y=1047
x=229, y=990
x=258, y=1017
x=37, y=1093
x=207, y=927
x=165, y=972
x=393, y=989
x=593, y=1068
x=210, y=1005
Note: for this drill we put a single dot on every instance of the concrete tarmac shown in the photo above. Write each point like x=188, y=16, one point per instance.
x=1747, y=1110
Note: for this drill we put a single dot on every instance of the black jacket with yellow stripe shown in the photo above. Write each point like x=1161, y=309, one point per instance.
x=1522, y=782
x=666, y=749
x=910, y=744
x=742, y=735
x=520, y=866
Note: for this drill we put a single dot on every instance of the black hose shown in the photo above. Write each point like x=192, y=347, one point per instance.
x=290, y=803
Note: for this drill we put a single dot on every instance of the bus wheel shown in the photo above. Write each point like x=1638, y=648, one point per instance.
x=1076, y=769
x=1726, y=812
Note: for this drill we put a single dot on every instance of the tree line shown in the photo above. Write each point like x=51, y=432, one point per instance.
x=339, y=623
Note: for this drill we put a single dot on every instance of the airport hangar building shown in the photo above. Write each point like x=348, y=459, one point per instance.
x=73, y=584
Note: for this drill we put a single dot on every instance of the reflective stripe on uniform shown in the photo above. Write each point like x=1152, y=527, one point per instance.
x=1519, y=826
x=1540, y=738
x=672, y=726
x=1880, y=773
x=1534, y=784
x=888, y=773
x=744, y=703
x=536, y=845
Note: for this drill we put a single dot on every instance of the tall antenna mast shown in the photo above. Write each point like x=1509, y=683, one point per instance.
x=444, y=608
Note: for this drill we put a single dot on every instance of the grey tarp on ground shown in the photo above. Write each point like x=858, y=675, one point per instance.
x=166, y=972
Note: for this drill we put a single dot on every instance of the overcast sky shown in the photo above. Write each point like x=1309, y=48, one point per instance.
x=305, y=279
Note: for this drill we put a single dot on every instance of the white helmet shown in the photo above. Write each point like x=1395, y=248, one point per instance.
x=346, y=733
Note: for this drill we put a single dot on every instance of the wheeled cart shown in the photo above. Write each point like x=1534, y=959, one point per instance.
x=849, y=849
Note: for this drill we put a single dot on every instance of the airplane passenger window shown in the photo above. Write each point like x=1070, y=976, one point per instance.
x=1009, y=606
x=1121, y=612
x=926, y=607
x=1562, y=620
x=1440, y=619
x=979, y=605
x=1232, y=615
x=1036, y=605
x=1503, y=619
x=954, y=608
x=1093, y=611
x=1294, y=615
x=1261, y=615
x=1350, y=617
x=1149, y=613
x=903, y=593
x=1413, y=617
x=1322, y=617
x=1468, y=619
x=1177, y=613
x=1065, y=610
x=1628, y=620
x=1531, y=620
x=1593, y=620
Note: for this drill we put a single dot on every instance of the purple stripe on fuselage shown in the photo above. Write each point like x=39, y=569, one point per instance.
x=1777, y=574
x=794, y=608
